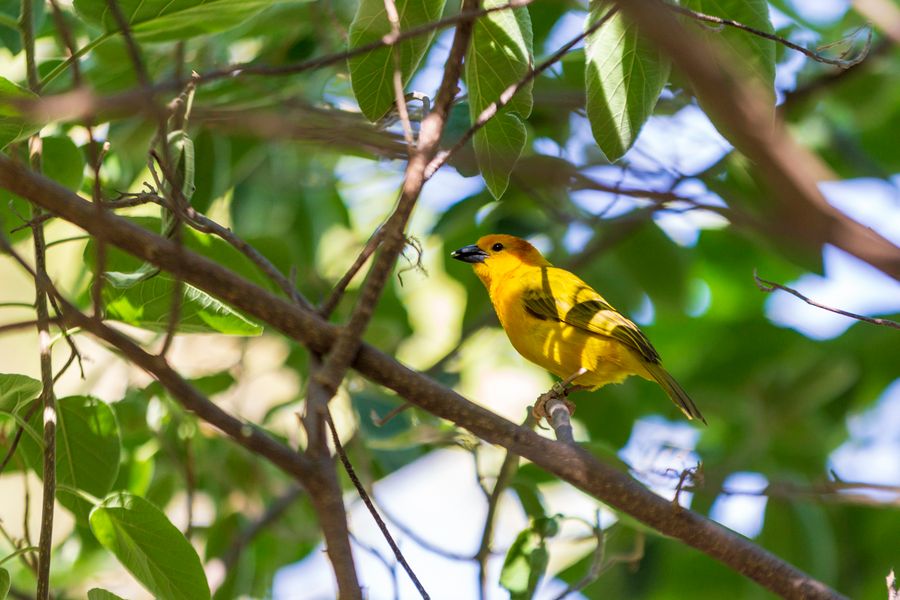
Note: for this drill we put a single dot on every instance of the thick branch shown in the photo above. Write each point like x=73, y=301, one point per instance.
x=738, y=106
x=568, y=462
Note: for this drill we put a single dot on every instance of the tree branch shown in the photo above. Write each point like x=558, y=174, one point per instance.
x=843, y=63
x=567, y=462
x=738, y=106
x=770, y=286
x=326, y=382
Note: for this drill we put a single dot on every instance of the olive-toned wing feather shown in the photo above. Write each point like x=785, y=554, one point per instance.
x=561, y=296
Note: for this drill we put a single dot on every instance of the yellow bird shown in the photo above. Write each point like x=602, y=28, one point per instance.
x=556, y=320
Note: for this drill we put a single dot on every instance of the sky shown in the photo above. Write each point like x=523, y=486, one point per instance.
x=428, y=493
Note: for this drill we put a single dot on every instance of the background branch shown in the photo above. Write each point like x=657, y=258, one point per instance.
x=770, y=286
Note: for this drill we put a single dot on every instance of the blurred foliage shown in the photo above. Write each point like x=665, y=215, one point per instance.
x=308, y=195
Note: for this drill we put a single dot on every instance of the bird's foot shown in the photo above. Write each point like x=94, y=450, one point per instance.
x=540, y=409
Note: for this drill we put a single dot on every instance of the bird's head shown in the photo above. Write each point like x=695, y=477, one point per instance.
x=497, y=254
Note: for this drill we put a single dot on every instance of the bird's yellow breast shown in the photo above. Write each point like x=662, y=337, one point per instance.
x=561, y=348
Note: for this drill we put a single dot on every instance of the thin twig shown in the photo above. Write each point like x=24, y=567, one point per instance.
x=770, y=286
x=95, y=156
x=838, y=62
x=47, y=397
x=367, y=500
x=390, y=8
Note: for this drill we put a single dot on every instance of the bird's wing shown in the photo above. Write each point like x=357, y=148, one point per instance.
x=561, y=296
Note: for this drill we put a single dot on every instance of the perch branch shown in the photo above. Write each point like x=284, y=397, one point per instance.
x=568, y=462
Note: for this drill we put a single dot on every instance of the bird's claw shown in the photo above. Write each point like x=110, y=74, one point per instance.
x=557, y=392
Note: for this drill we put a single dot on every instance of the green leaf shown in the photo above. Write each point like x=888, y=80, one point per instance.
x=527, y=559
x=150, y=547
x=164, y=20
x=754, y=53
x=500, y=55
x=13, y=125
x=5, y=583
x=62, y=161
x=624, y=75
x=135, y=297
x=87, y=450
x=16, y=389
x=497, y=146
x=149, y=303
x=98, y=594
x=372, y=73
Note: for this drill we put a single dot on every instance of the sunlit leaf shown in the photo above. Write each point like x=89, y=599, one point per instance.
x=372, y=73
x=500, y=55
x=624, y=75
x=16, y=389
x=87, y=450
x=150, y=547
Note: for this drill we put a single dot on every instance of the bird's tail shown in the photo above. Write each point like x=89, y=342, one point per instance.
x=675, y=392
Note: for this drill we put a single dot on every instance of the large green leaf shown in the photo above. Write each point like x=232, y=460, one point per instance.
x=150, y=547
x=162, y=20
x=87, y=450
x=16, y=389
x=13, y=125
x=754, y=53
x=134, y=298
x=498, y=145
x=624, y=75
x=500, y=55
x=148, y=305
x=372, y=73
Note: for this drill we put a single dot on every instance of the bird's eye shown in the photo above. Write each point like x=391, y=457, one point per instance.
x=497, y=247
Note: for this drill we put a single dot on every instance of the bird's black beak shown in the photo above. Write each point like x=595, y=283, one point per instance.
x=470, y=254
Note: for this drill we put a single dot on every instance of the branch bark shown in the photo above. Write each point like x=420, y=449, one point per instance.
x=568, y=462
x=738, y=106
